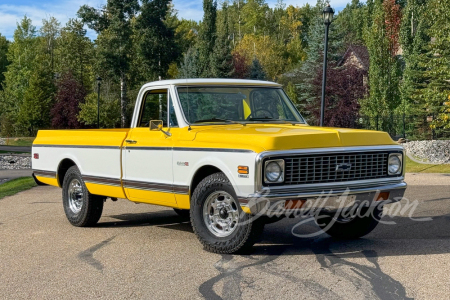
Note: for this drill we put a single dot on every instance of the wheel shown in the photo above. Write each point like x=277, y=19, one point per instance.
x=182, y=212
x=81, y=207
x=350, y=227
x=218, y=220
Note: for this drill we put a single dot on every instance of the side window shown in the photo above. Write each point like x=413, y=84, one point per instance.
x=154, y=107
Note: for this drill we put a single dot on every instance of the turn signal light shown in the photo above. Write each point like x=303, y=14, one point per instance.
x=382, y=196
x=242, y=169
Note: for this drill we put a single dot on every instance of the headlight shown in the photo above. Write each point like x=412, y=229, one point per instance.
x=274, y=171
x=395, y=164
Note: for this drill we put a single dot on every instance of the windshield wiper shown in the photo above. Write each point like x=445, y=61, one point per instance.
x=216, y=120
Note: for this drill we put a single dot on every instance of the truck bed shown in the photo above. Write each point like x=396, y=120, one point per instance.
x=96, y=152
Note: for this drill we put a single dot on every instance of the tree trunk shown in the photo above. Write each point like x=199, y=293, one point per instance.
x=123, y=101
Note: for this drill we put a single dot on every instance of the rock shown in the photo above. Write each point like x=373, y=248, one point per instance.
x=13, y=162
x=434, y=151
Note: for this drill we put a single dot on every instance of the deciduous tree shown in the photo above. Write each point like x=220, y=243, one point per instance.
x=114, y=42
x=70, y=94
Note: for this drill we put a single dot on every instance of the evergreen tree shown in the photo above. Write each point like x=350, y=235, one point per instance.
x=437, y=64
x=313, y=65
x=207, y=37
x=222, y=59
x=113, y=23
x=4, y=43
x=155, y=41
x=351, y=23
x=414, y=40
x=190, y=64
x=257, y=71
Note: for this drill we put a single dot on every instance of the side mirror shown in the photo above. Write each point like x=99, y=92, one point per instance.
x=157, y=125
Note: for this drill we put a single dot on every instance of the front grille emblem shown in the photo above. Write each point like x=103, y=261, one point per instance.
x=343, y=167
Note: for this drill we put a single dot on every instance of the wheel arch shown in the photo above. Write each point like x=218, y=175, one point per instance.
x=202, y=173
x=63, y=167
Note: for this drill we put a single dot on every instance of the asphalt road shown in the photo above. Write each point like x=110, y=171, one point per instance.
x=15, y=148
x=148, y=252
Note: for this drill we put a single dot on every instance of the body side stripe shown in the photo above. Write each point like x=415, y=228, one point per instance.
x=74, y=146
x=147, y=148
x=44, y=173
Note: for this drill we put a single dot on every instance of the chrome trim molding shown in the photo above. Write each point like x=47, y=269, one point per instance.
x=44, y=173
x=156, y=187
x=190, y=149
x=396, y=189
x=102, y=180
x=312, y=151
x=74, y=146
x=368, y=183
x=147, y=148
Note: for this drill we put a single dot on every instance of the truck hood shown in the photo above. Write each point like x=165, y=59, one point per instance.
x=260, y=137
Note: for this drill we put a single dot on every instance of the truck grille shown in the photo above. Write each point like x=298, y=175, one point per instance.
x=323, y=168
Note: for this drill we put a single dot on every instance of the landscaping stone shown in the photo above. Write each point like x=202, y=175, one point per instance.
x=13, y=162
x=434, y=151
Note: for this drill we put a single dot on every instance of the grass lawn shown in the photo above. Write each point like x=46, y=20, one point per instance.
x=22, y=141
x=413, y=167
x=16, y=185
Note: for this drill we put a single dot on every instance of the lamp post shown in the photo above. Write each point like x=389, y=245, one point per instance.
x=99, y=82
x=327, y=14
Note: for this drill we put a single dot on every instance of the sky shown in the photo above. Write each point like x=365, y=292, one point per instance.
x=11, y=11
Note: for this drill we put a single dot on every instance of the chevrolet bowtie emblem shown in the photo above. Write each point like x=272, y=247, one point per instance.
x=343, y=167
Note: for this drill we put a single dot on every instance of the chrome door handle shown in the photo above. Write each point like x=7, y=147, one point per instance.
x=131, y=141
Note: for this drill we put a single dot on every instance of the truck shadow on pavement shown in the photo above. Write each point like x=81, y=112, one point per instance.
x=167, y=219
x=355, y=262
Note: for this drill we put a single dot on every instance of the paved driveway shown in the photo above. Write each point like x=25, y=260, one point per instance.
x=148, y=252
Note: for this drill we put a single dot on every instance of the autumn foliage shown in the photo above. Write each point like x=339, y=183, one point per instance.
x=344, y=90
x=68, y=98
x=393, y=19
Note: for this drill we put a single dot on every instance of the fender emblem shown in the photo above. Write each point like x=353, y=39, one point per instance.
x=182, y=163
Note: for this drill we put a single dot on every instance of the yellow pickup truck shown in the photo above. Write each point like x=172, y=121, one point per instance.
x=233, y=155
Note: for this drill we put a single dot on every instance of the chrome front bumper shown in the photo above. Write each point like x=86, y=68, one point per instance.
x=331, y=199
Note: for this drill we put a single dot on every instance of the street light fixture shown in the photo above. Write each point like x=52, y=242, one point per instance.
x=99, y=82
x=327, y=14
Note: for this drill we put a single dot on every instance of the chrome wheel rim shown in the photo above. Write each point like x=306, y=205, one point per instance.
x=75, y=194
x=221, y=214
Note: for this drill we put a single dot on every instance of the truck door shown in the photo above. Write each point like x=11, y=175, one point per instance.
x=148, y=173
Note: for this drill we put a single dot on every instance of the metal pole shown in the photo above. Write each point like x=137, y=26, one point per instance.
x=98, y=105
x=324, y=79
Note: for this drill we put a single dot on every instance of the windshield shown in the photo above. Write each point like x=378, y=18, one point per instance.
x=237, y=105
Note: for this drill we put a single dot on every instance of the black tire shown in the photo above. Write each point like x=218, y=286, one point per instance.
x=359, y=225
x=90, y=206
x=184, y=213
x=246, y=232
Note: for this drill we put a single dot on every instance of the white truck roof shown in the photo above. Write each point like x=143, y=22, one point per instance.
x=212, y=81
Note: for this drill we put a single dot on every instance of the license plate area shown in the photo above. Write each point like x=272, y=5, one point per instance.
x=325, y=202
